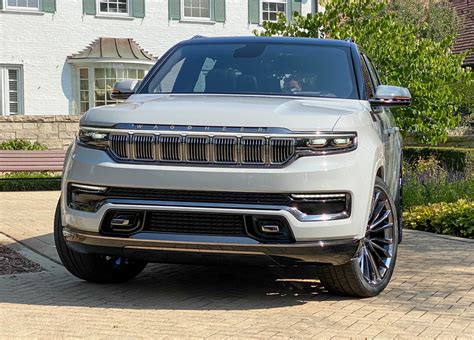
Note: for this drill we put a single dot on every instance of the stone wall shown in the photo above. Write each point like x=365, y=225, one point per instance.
x=57, y=132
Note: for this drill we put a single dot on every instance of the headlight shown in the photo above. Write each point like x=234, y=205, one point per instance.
x=93, y=139
x=326, y=144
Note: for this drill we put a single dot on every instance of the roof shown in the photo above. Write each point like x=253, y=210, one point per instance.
x=286, y=40
x=117, y=49
x=465, y=41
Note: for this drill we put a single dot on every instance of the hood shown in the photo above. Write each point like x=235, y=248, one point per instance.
x=297, y=114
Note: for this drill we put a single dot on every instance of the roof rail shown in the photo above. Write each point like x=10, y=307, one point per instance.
x=349, y=39
x=197, y=36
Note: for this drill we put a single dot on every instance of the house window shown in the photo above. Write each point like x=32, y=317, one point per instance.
x=115, y=7
x=196, y=9
x=29, y=5
x=271, y=9
x=11, y=90
x=96, y=83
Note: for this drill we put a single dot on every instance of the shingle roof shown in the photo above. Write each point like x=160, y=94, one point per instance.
x=465, y=40
x=113, y=49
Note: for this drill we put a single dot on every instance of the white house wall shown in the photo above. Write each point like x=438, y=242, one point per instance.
x=40, y=43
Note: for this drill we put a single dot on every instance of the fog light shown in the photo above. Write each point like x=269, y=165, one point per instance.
x=89, y=188
x=317, y=196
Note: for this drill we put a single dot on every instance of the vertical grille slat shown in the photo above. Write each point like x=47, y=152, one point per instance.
x=170, y=148
x=144, y=147
x=225, y=149
x=119, y=145
x=253, y=150
x=197, y=149
x=281, y=150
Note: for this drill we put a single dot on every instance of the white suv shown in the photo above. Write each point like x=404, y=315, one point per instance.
x=262, y=151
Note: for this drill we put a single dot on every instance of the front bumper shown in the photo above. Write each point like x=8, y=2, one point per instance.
x=352, y=172
x=196, y=249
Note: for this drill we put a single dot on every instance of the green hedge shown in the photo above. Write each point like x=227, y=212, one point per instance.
x=30, y=181
x=456, y=219
x=21, y=144
x=452, y=159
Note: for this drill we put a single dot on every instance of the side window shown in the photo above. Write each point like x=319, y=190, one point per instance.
x=373, y=72
x=369, y=86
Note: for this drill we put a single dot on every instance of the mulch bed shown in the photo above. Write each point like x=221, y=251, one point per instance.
x=12, y=262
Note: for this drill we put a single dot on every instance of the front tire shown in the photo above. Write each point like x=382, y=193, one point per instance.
x=370, y=270
x=93, y=267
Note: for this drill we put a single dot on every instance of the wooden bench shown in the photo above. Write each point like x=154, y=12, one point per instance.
x=16, y=161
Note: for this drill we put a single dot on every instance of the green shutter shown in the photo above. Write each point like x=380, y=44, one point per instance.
x=48, y=6
x=219, y=10
x=295, y=6
x=88, y=7
x=138, y=8
x=174, y=9
x=1, y=4
x=254, y=11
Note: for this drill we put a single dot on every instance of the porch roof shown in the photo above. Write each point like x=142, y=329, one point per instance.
x=113, y=49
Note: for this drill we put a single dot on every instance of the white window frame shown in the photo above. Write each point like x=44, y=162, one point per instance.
x=91, y=84
x=113, y=14
x=8, y=7
x=276, y=1
x=186, y=18
x=4, y=89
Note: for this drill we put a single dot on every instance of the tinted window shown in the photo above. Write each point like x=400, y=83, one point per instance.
x=256, y=68
x=369, y=86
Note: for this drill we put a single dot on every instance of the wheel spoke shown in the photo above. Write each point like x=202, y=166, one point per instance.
x=377, y=256
x=375, y=199
x=381, y=249
x=382, y=227
x=378, y=209
x=380, y=220
x=374, y=267
x=382, y=240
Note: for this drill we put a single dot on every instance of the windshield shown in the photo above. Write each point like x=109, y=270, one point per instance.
x=256, y=68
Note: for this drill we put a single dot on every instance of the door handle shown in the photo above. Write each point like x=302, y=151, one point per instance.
x=392, y=130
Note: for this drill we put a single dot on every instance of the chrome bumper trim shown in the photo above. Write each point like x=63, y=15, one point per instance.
x=324, y=251
x=300, y=216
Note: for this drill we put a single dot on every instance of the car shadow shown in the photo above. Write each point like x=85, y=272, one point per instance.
x=166, y=286
x=431, y=273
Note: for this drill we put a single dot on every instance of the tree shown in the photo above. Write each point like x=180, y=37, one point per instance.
x=426, y=67
x=433, y=19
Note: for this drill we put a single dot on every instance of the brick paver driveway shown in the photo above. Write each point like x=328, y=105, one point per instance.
x=431, y=294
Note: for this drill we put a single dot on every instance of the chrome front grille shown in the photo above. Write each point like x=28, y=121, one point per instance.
x=170, y=147
x=144, y=147
x=281, y=149
x=253, y=150
x=223, y=150
x=119, y=145
x=197, y=149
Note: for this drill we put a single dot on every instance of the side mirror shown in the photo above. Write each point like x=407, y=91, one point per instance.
x=387, y=95
x=124, y=89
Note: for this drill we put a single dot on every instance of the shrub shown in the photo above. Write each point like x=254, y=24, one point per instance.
x=426, y=180
x=456, y=219
x=30, y=181
x=452, y=159
x=21, y=144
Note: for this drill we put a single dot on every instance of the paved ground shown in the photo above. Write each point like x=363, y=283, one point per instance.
x=431, y=294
